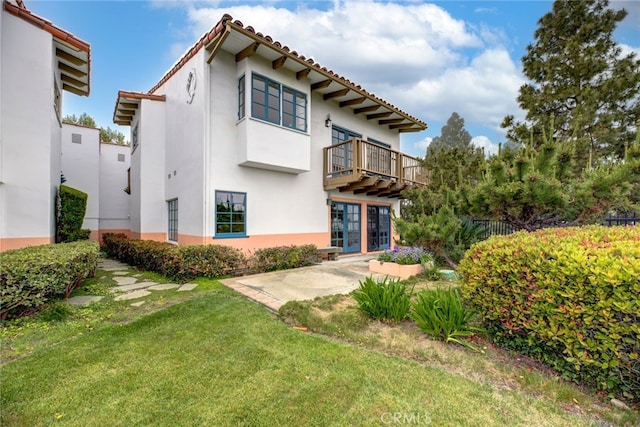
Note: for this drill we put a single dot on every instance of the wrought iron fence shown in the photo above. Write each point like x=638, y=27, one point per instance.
x=493, y=227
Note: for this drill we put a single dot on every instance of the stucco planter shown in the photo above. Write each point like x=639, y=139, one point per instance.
x=393, y=269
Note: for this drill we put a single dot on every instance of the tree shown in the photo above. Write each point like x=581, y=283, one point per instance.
x=578, y=74
x=452, y=160
x=84, y=119
x=106, y=135
x=537, y=187
x=112, y=135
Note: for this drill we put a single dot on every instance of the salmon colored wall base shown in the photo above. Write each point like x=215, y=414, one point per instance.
x=9, y=243
x=251, y=243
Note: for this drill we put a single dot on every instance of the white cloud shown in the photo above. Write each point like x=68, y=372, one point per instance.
x=625, y=50
x=421, y=146
x=484, y=142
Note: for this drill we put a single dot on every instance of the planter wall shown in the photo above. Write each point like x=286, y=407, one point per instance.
x=393, y=269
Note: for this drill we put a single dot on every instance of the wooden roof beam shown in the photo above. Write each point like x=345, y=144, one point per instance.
x=247, y=51
x=278, y=62
x=321, y=85
x=302, y=74
x=67, y=79
x=390, y=121
x=368, y=109
x=70, y=70
x=354, y=101
x=216, y=44
x=73, y=90
x=336, y=94
x=379, y=115
x=69, y=58
x=400, y=125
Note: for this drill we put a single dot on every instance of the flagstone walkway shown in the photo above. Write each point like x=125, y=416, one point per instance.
x=127, y=285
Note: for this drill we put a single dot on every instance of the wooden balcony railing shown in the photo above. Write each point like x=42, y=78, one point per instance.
x=364, y=167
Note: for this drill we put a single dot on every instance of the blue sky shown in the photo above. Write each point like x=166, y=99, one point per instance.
x=428, y=58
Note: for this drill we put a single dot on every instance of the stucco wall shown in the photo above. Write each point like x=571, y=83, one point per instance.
x=81, y=166
x=30, y=135
x=114, y=201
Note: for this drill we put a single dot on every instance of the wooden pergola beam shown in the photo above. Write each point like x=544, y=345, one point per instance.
x=336, y=94
x=247, y=51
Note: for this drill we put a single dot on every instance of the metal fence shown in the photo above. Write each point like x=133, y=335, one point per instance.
x=625, y=218
x=491, y=227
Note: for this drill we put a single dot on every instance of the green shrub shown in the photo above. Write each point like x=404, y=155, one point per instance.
x=441, y=314
x=180, y=263
x=31, y=276
x=569, y=297
x=387, y=299
x=284, y=258
x=73, y=206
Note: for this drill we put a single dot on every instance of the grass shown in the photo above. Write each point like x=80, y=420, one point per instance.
x=211, y=357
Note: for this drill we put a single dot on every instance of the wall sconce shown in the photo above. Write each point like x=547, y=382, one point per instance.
x=327, y=122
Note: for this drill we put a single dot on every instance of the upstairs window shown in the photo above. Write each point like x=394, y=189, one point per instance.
x=241, y=93
x=134, y=137
x=275, y=103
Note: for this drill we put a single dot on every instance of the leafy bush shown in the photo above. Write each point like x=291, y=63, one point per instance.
x=73, y=206
x=180, y=263
x=569, y=297
x=31, y=276
x=284, y=258
x=441, y=314
x=388, y=300
x=183, y=263
x=442, y=233
x=406, y=256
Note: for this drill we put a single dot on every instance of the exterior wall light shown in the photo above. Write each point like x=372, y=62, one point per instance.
x=327, y=122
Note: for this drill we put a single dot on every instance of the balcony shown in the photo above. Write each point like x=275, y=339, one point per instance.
x=363, y=167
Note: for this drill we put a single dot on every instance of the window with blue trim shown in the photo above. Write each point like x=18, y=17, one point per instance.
x=241, y=92
x=294, y=109
x=172, y=214
x=275, y=103
x=231, y=220
x=134, y=137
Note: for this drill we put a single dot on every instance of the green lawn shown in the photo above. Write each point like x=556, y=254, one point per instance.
x=220, y=360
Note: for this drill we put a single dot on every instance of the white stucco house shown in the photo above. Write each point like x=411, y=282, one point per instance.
x=38, y=62
x=100, y=169
x=249, y=144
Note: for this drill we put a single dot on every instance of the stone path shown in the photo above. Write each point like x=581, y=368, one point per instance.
x=128, y=286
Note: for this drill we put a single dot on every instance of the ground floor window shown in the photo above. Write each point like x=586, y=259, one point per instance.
x=231, y=220
x=172, y=210
x=345, y=226
x=378, y=227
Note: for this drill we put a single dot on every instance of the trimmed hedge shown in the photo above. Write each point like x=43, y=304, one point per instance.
x=184, y=263
x=569, y=297
x=284, y=258
x=73, y=206
x=31, y=276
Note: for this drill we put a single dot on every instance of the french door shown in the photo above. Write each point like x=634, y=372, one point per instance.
x=378, y=228
x=345, y=226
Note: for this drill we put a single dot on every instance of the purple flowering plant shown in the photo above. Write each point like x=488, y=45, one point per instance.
x=406, y=255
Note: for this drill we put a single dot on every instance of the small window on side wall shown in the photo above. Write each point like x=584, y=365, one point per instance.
x=230, y=214
x=134, y=137
x=241, y=94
